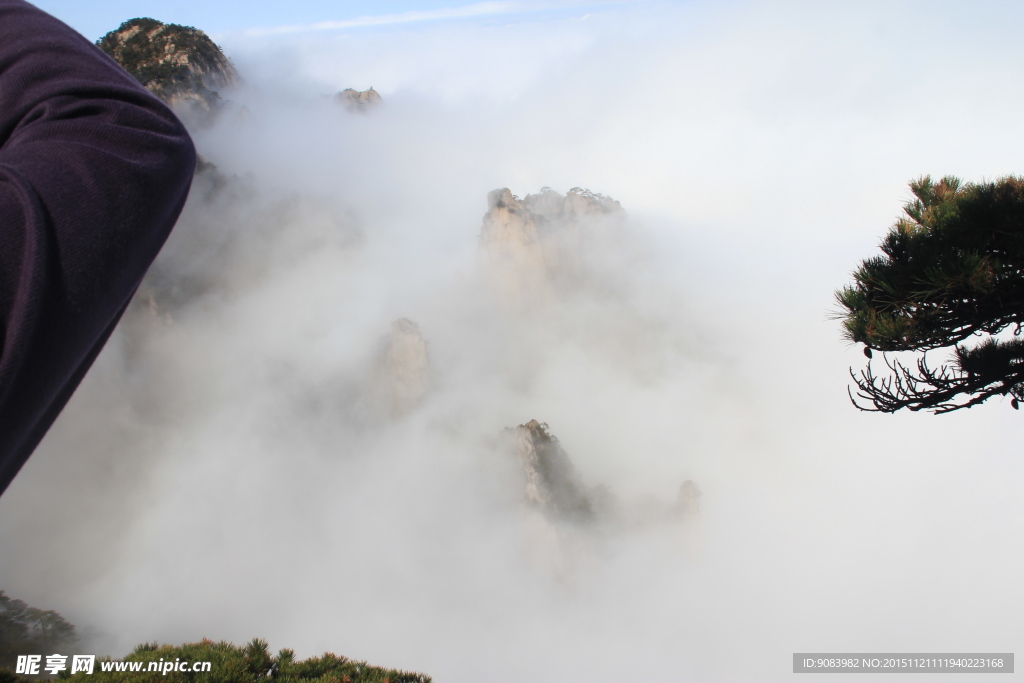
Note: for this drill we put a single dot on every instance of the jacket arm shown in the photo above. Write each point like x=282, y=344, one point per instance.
x=93, y=174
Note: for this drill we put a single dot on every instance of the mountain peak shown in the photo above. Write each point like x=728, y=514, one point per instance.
x=359, y=100
x=178, y=64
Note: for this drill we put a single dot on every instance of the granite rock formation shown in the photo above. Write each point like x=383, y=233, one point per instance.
x=552, y=486
x=359, y=100
x=538, y=244
x=179, y=64
x=551, y=482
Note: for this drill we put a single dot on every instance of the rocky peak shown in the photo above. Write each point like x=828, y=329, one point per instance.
x=509, y=241
x=553, y=208
x=510, y=228
x=359, y=100
x=179, y=64
x=403, y=373
x=535, y=242
x=552, y=483
x=552, y=486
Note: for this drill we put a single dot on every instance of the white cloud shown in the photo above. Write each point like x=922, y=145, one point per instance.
x=479, y=9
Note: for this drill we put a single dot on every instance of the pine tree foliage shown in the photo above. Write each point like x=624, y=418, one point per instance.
x=951, y=268
x=29, y=629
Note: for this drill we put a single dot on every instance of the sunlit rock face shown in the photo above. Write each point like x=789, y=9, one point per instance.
x=359, y=100
x=178, y=64
x=551, y=482
x=537, y=246
x=403, y=376
x=511, y=245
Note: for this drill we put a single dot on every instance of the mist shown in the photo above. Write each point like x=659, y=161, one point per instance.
x=225, y=470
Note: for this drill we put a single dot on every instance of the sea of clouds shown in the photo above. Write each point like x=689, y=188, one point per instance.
x=220, y=474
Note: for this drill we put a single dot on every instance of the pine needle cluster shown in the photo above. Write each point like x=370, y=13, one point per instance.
x=951, y=268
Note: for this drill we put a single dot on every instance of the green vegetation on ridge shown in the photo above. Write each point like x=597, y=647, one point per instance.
x=25, y=629
x=253, y=662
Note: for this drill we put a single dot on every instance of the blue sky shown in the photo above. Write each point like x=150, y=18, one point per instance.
x=95, y=19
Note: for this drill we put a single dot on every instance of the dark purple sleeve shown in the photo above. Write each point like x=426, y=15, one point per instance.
x=93, y=173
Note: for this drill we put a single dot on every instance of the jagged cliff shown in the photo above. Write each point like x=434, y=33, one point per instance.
x=537, y=244
x=179, y=64
x=552, y=484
